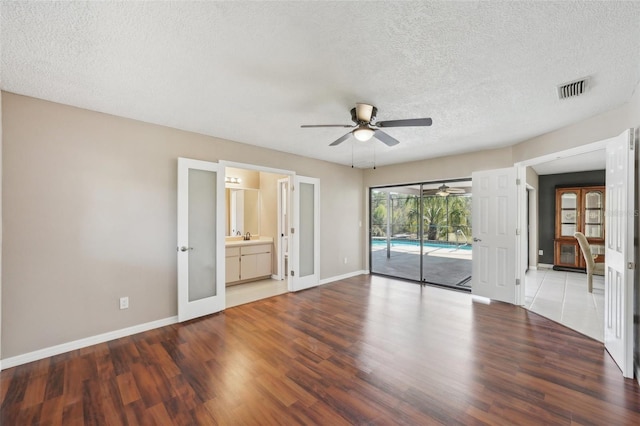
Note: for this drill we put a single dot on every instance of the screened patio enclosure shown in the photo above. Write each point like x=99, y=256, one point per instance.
x=422, y=232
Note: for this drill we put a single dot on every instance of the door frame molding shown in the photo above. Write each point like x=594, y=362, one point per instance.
x=600, y=145
x=280, y=266
x=290, y=175
x=522, y=214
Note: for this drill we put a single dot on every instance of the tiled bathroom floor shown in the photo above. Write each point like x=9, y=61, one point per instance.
x=563, y=297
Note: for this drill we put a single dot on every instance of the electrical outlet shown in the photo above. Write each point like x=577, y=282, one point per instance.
x=124, y=303
x=541, y=252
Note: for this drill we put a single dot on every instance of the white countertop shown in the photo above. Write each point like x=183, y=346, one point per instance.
x=238, y=241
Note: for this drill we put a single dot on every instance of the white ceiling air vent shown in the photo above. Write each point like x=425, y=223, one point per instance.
x=573, y=88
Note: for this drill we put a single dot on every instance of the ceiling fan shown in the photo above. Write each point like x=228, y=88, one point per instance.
x=444, y=191
x=364, y=115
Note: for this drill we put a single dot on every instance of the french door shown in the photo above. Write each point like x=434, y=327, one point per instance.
x=201, y=255
x=305, y=235
x=619, y=250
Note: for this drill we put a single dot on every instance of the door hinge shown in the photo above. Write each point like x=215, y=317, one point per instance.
x=293, y=230
x=518, y=181
x=631, y=265
x=517, y=281
x=632, y=143
x=293, y=273
x=517, y=231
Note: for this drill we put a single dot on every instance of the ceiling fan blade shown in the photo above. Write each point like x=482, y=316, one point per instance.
x=305, y=126
x=456, y=190
x=405, y=123
x=385, y=138
x=340, y=140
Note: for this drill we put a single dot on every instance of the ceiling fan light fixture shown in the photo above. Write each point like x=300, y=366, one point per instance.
x=363, y=133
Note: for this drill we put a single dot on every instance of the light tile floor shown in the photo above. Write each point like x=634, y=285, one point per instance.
x=563, y=297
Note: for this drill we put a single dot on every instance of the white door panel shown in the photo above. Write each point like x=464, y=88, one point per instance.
x=305, y=270
x=494, y=234
x=201, y=252
x=619, y=251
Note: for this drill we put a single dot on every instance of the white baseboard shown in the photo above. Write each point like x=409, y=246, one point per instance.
x=105, y=337
x=343, y=277
x=545, y=266
x=533, y=267
x=83, y=343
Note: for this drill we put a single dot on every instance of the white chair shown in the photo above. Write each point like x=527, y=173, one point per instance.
x=593, y=268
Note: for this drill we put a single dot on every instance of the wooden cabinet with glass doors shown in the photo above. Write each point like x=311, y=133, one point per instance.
x=579, y=210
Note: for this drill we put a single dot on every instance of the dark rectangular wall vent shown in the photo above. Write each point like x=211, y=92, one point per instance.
x=573, y=88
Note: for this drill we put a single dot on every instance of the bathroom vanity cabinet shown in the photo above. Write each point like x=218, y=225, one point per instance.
x=248, y=261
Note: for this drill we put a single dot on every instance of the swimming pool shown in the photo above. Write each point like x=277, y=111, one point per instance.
x=416, y=243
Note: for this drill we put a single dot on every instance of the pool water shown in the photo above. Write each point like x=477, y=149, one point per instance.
x=416, y=243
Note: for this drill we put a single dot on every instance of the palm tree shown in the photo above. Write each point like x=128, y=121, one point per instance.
x=460, y=213
x=434, y=214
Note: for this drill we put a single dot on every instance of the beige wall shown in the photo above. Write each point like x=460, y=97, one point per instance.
x=90, y=216
x=594, y=129
x=435, y=169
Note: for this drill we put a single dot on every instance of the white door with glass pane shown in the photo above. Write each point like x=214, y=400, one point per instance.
x=619, y=250
x=201, y=256
x=494, y=219
x=305, y=234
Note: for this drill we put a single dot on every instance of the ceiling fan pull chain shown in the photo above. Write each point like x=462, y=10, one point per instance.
x=352, y=143
x=374, y=157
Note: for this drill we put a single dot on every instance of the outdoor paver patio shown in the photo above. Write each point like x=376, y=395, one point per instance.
x=444, y=266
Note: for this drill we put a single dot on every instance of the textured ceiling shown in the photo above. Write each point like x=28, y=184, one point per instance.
x=486, y=72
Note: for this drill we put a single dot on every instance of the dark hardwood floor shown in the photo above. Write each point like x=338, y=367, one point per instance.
x=366, y=350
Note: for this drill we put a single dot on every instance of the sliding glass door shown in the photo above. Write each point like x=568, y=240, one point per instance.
x=422, y=232
x=395, y=230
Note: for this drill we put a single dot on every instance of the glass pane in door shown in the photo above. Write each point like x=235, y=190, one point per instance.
x=446, y=244
x=395, y=239
x=307, y=209
x=202, y=234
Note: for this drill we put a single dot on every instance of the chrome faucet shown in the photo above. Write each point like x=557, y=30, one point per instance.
x=247, y=236
x=238, y=233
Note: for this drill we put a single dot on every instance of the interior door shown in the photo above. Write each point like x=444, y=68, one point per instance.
x=494, y=215
x=201, y=255
x=619, y=251
x=305, y=234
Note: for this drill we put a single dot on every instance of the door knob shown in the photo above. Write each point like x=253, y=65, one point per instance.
x=185, y=248
x=475, y=240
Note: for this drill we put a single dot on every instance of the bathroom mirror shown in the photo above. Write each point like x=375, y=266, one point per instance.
x=243, y=214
